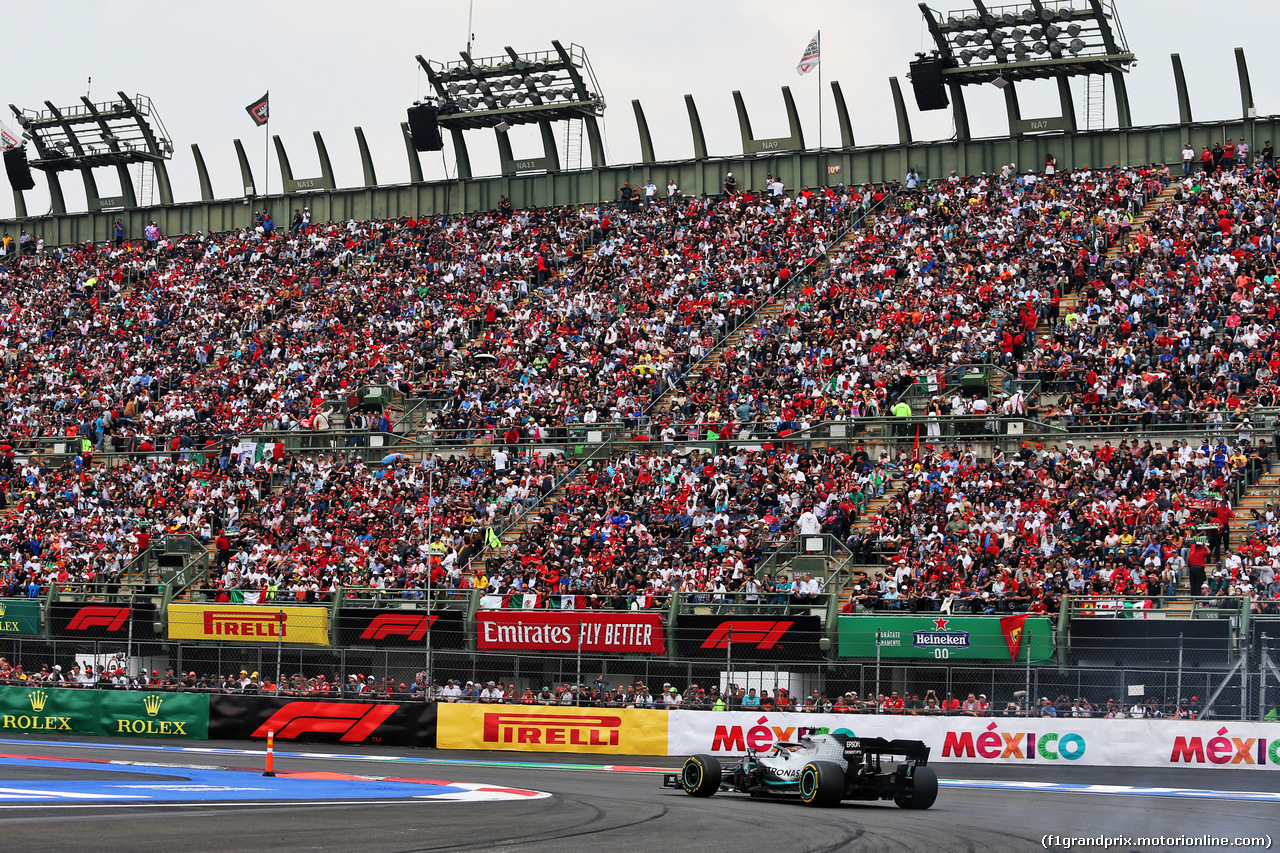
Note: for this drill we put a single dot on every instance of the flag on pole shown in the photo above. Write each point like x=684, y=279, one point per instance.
x=8, y=138
x=260, y=110
x=811, y=57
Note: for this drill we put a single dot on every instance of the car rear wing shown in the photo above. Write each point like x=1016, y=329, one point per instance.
x=911, y=750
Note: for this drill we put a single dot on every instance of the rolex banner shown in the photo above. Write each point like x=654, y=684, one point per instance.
x=132, y=713
x=944, y=637
x=19, y=616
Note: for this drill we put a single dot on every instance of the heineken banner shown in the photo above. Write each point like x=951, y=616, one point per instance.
x=19, y=616
x=66, y=710
x=245, y=716
x=941, y=637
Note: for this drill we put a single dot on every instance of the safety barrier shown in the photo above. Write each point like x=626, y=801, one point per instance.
x=1010, y=740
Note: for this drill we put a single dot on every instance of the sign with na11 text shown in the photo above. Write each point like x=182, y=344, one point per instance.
x=568, y=632
x=250, y=623
x=942, y=637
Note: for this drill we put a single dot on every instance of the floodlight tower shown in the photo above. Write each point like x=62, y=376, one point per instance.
x=518, y=88
x=86, y=136
x=1028, y=40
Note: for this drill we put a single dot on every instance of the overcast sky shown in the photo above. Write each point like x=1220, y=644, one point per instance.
x=333, y=65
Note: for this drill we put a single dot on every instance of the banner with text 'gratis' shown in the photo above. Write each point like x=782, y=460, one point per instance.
x=266, y=623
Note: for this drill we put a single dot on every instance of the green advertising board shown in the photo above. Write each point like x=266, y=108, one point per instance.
x=65, y=710
x=19, y=616
x=941, y=637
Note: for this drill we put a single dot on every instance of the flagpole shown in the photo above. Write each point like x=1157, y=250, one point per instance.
x=266, y=151
x=822, y=162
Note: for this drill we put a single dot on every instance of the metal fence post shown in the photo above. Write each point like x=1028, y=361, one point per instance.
x=728, y=657
x=1178, y=701
x=876, y=695
x=1262, y=680
x=1244, y=683
x=1030, y=699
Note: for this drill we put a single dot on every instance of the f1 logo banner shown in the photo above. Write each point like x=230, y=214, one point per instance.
x=102, y=621
x=590, y=631
x=620, y=731
x=399, y=628
x=749, y=638
x=238, y=717
x=253, y=623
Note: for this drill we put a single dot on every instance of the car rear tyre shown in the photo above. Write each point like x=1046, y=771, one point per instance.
x=700, y=776
x=822, y=783
x=924, y=790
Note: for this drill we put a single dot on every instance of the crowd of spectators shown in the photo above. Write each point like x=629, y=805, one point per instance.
x=180, y=353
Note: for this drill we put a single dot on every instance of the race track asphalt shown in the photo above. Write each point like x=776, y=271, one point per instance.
x=601, y=810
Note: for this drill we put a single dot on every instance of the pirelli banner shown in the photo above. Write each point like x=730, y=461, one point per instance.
x=753, y=638
x=242, y=717
x=400, y=628
x=589, y=631
x=102, y=621
x=539, y=728
x=238, y=623
x=132, y=713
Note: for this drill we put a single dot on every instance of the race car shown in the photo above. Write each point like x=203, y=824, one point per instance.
x=820, y=769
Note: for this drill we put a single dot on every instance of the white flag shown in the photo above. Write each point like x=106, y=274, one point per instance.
x=811, y=57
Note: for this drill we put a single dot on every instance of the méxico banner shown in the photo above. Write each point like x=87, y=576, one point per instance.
x=19, y=616
x=389, y=627
x=538, y=631
x=64, y=710
x=265, y=623
x=943, y=637
x=1061, y=741
x=243, y=716
x=536, y=728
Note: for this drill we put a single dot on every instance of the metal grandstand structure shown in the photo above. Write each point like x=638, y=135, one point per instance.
x=1073, y=140
x=85, y=136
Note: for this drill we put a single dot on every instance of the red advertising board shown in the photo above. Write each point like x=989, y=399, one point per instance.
x=567, y=632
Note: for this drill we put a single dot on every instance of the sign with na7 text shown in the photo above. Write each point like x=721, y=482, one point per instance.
x=132, y=713
x=19, y=616
x=943, y=637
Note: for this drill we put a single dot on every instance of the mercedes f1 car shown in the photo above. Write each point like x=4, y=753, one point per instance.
x=820, y=769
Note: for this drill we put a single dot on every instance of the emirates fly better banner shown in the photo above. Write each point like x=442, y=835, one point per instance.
x=589, y=631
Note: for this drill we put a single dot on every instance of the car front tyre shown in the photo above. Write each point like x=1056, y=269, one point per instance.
x=700, y=776
x=822, y=783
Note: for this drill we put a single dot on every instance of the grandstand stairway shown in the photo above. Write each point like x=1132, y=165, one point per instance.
x=1071, y=300
x=771, y=310
x=414, y=433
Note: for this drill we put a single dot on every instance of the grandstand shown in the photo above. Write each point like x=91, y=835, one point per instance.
x=991, y=392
